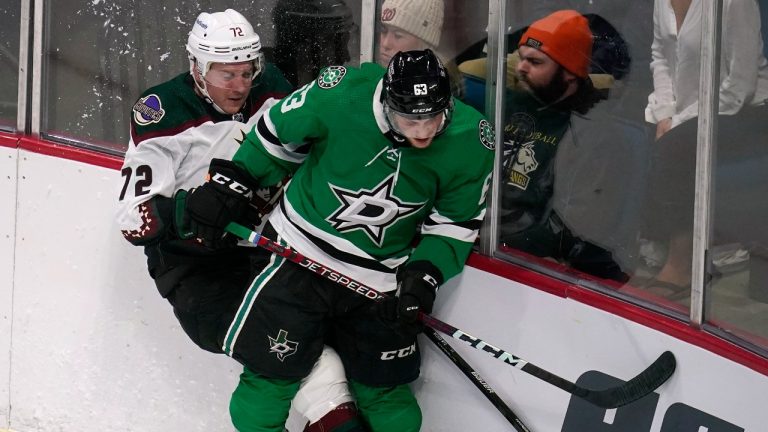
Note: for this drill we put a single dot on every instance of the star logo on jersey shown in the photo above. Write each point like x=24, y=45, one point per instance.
x=370, y=210
x=281, y=346
x=486, y=134
x=331, y=76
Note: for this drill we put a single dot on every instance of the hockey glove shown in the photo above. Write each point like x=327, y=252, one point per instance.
x=416, y=288
x=224, y=198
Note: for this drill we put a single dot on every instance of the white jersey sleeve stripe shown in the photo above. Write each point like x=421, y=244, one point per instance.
x=451, y=231
x=267, y=134
x=438, y=224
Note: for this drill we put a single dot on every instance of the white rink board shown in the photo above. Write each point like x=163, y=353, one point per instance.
x=95, y=348
x=7, y=239
x=567, y=338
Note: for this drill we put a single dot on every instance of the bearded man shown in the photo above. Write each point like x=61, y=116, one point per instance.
x=552, y=84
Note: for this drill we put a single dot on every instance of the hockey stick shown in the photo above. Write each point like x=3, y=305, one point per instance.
x=476, y=379
x=641, y=385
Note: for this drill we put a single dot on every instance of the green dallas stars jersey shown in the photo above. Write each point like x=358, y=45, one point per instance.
x=358, y=197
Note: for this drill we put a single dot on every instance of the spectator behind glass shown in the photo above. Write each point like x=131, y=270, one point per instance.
x=676, y=64
x=600, y=160
x=408, y=25
x=673, y=107
x=177, y=128
x=310, y=35
x=634, y=20
x=551, y=84
x=610, y=61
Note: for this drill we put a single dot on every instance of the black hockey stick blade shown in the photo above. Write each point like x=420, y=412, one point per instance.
x=644, y=383
x=636, y=388
x=476, y=379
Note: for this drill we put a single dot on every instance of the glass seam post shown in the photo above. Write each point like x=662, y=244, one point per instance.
x=494, y=98
x=23, y=90
x=705, y=151
x=368, y=18
x=37, y=62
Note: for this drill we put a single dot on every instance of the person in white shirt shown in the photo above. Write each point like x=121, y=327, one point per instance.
x=673, y=107
x=676, y=61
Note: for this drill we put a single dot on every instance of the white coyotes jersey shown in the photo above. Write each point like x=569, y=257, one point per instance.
x=160, y=166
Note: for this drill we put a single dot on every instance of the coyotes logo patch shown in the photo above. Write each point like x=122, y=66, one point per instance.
x=148, y=109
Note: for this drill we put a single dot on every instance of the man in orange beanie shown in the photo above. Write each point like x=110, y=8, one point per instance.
x=555, y=55
x=552, y=82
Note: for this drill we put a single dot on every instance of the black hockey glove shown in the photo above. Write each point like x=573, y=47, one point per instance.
x=416, y=289
x=224, y=198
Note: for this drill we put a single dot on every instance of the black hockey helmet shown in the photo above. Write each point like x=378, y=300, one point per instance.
x=312, y=17
x=310, y=35
x=610, y=52
x=416, y=85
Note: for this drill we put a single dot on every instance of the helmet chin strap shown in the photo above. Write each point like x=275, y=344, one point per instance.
x=203, y=88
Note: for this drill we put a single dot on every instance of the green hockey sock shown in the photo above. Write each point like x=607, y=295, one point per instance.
x=388, y=409
x=261, y=404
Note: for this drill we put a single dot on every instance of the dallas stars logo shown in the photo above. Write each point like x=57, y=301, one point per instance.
x=331, y=76
x=281, y=346
x=487, y=135
x=370, y=210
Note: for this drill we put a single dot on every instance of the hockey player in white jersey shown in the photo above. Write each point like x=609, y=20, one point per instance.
x=177, y=127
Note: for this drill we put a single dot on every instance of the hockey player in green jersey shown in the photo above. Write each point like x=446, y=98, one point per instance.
x=177, y=127
x=380, y=158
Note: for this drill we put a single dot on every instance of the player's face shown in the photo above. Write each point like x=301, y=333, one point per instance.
x=392, y=40
x=419, y=133
x=228, y=84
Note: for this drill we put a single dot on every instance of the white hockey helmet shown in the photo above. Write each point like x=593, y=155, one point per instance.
x=223, y=37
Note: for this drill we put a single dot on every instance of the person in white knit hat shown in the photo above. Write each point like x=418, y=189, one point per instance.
x=408, y=25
